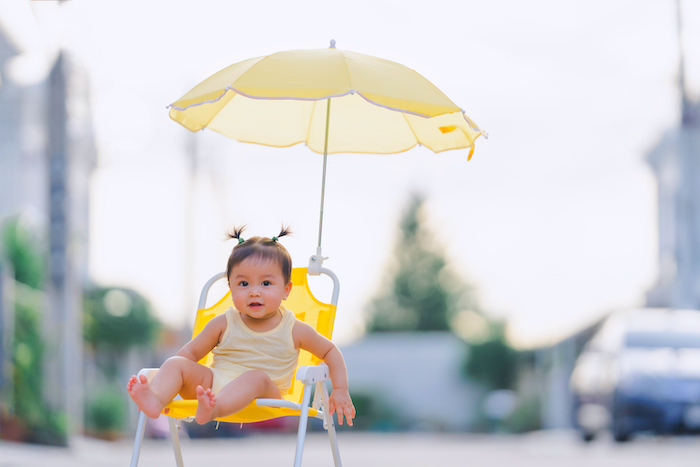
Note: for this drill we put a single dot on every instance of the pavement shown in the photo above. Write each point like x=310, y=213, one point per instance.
x=540, y=449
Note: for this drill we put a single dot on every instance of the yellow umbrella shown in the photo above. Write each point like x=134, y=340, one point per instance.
x=379, y=106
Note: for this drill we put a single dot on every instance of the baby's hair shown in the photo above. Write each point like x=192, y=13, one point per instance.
x=262, y=248
x=236, y=233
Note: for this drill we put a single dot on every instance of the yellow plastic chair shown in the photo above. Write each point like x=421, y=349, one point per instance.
x=310, y=371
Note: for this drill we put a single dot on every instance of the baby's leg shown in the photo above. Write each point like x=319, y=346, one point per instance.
x=177, y=375
x=235, y=396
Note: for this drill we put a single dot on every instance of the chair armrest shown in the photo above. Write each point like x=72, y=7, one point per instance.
x=310, y=374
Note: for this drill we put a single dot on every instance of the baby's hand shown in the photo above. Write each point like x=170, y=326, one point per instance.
x=340, y=401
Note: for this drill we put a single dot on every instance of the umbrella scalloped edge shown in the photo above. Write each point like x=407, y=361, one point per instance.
x=471, y=124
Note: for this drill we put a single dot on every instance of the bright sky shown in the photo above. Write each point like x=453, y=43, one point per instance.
x=553, y=220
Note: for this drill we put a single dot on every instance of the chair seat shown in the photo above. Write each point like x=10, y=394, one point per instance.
x=252, y=413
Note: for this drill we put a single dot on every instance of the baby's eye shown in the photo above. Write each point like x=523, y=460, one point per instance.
x=266, y=283
x=243, y=283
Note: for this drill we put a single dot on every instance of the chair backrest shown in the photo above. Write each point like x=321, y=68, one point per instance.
x=304, y=305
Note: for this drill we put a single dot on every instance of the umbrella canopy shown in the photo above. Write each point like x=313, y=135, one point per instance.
x=379, y=106
x=283, y=99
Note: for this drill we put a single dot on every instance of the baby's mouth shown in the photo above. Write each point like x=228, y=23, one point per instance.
x=254, y=304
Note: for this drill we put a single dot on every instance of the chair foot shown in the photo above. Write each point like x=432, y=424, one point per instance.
x=174, y=427
x=303, y=422
x=138, y=440
x=330, y=427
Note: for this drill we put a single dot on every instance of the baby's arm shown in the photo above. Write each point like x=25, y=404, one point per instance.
x=306, y=337
x=205, y=341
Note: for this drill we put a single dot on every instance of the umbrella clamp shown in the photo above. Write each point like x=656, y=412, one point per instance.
x=316, y=263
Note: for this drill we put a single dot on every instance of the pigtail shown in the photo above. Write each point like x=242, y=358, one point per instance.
x=285, y=231
x=236, y=233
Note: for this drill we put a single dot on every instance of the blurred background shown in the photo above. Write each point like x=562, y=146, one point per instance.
x=481, y=282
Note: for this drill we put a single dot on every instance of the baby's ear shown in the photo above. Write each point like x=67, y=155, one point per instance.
x=287, y=289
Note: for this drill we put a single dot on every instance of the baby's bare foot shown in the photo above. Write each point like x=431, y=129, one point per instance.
x=206, y=402
x=141, y=392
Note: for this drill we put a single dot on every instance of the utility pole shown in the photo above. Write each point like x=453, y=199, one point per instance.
x=63, y=321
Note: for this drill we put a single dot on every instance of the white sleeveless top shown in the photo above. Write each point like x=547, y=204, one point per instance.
x=241, y=349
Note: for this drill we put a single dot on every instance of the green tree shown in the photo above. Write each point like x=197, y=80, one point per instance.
x=493, y=362
x=25, y=411
x=423, y=294
x=115, y=320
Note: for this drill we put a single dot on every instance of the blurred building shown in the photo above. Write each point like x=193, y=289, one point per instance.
x=412, y=380
x=676, y=164
x=47, y=153
x=553, y=366
x=675, y=161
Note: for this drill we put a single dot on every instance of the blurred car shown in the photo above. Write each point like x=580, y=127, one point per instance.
x=640, y=372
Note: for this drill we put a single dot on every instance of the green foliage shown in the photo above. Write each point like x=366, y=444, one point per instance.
x=116, y=319
x=493, y=362
x=423, y=293
x=526, y=416
x=106, y=412
x=28, y=348
x=28, y=411
x=20, y=248
x=372, y=414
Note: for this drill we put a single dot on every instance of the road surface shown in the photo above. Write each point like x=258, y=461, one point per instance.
x=537, y=449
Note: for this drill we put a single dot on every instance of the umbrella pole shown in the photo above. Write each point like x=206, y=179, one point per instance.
x=317, y=260
x=323, y=178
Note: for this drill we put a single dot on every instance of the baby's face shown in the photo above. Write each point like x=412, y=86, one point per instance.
x=258, y=288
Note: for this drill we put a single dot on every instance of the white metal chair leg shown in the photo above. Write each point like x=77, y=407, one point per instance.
x=176, y=441
x=138, y=440
x=303, y=421
x=330, y=427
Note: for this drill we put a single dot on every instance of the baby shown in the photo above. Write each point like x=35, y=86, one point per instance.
x=255, y=344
